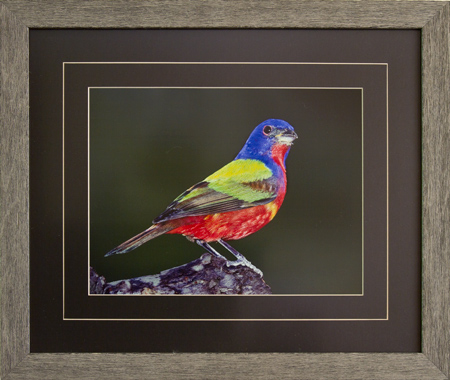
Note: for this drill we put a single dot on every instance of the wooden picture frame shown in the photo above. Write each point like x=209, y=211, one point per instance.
x=431, y=17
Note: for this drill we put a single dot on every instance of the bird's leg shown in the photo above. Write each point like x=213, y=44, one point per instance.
x=210, y=249
x=241, y=260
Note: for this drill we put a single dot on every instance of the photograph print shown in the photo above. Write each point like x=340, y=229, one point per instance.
x=226, y=191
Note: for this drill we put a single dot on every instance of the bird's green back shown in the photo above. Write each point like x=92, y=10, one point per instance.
x=238, y=179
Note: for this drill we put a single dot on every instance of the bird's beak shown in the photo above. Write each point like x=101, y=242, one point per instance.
x=287, y=137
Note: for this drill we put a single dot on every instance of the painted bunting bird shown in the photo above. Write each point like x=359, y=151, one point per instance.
x=235, y=201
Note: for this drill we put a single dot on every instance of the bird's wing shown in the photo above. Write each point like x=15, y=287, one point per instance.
x=238, y=185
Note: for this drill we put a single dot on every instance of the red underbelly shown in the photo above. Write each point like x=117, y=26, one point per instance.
x=231, y=225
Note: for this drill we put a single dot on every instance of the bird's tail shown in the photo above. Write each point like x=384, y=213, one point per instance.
x=136, y=241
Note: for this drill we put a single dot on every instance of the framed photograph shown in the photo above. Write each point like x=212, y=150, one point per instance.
x=106, y=120
x=198, y=113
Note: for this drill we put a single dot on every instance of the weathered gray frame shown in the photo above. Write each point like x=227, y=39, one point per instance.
x=17, y=16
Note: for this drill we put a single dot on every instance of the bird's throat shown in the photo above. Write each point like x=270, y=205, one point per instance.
x=279, y=152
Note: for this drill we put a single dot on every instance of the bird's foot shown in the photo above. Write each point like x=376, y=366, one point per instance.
x=241, y=260
x=246, y=263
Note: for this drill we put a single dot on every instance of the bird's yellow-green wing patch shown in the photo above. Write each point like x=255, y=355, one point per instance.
x=242, y=171
x=243, y=179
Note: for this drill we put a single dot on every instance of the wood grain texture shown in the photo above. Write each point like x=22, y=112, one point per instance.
x=227, y=366
x=436, y=190
x=222, y=14
x=19, y=15
x=14, y=191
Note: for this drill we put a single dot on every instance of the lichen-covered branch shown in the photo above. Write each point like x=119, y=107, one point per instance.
x=206, y=275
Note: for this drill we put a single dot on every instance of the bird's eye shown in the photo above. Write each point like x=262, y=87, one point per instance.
x=267, y=129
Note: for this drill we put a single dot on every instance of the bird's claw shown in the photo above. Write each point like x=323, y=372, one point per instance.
x=246, y=263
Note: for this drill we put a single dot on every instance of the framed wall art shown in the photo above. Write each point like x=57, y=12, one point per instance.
x=106, y=119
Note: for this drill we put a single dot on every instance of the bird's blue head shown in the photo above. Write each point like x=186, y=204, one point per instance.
x=270, y=141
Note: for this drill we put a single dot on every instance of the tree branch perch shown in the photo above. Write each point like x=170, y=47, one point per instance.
x=205, y=275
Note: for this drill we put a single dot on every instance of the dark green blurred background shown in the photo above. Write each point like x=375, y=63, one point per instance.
x=148, y=145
